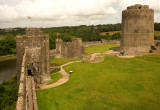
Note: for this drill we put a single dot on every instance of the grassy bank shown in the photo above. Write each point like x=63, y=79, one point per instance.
x=8, y=94
x=115, y=84
x=55, y=77
x=100, y=48
x=7, y=57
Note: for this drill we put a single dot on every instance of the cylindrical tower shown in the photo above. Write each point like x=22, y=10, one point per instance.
x=137, y=29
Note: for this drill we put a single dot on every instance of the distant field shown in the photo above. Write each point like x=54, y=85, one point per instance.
x=100, y=48
x=110, y=33
x=156, y=33
x=61, y=61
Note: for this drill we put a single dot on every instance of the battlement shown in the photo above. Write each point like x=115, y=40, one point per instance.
x=138, y=11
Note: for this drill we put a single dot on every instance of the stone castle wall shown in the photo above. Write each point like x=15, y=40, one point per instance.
x=75, y=49
x=137, y=29
x=103, y=41
x=27, y=99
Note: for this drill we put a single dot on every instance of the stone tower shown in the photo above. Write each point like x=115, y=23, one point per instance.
x=36, y=47
x=137, y=29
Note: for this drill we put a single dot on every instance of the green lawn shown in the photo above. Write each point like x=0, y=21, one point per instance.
x=55, y=77
x=115, y=84
x=61, y=61
x=157, y=33
x=100, y=48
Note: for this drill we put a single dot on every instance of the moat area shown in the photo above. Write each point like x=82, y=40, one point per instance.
x=7, y=69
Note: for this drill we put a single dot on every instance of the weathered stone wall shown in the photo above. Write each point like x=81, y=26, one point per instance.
x=27, y=99
x=73, y=49
x=103, y=41
x=36, y=46
x=137, y=29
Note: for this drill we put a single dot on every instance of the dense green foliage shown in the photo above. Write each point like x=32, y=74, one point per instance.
x=115, y=84
x=87, y=33
x=8, y=45
x=8, y=42
x=8, y=94
x=157, y=26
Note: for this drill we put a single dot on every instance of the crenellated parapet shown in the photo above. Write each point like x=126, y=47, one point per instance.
x=138, y=11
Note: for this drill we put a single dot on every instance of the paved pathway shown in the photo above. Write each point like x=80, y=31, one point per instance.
x=64, y=79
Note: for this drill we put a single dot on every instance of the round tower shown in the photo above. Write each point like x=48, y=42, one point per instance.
x=137, y=29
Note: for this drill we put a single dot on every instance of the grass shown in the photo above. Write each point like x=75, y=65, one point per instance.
x=55, y=77
x=7, y=57
x=61, y=61
x=115, y=84
x=100, y=48
x=157, y=33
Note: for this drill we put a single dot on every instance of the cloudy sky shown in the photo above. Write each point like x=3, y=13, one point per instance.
x=52, y=13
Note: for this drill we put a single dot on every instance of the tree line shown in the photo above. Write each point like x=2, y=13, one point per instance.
x=66, y=33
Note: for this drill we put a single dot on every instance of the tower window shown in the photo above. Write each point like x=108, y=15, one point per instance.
x=29, y=72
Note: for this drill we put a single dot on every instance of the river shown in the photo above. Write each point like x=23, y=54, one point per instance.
x=7, y=69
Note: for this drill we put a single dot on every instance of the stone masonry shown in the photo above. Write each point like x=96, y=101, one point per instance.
x=36, y=47
x=73, y=49
x=137, y=29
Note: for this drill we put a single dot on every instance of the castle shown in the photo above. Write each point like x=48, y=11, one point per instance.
x=33, y=67
x=137, y=29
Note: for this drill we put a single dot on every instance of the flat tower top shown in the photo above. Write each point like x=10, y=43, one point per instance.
x=33, y=31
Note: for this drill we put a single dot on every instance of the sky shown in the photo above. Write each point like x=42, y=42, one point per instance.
x=55, y=13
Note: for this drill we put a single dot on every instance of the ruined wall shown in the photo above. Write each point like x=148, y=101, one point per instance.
x=103, y=41
x=36, y=46
x=73, y=49
x=27, y=99
x=137, y=29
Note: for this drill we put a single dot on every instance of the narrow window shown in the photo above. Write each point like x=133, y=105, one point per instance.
x=29, y=72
